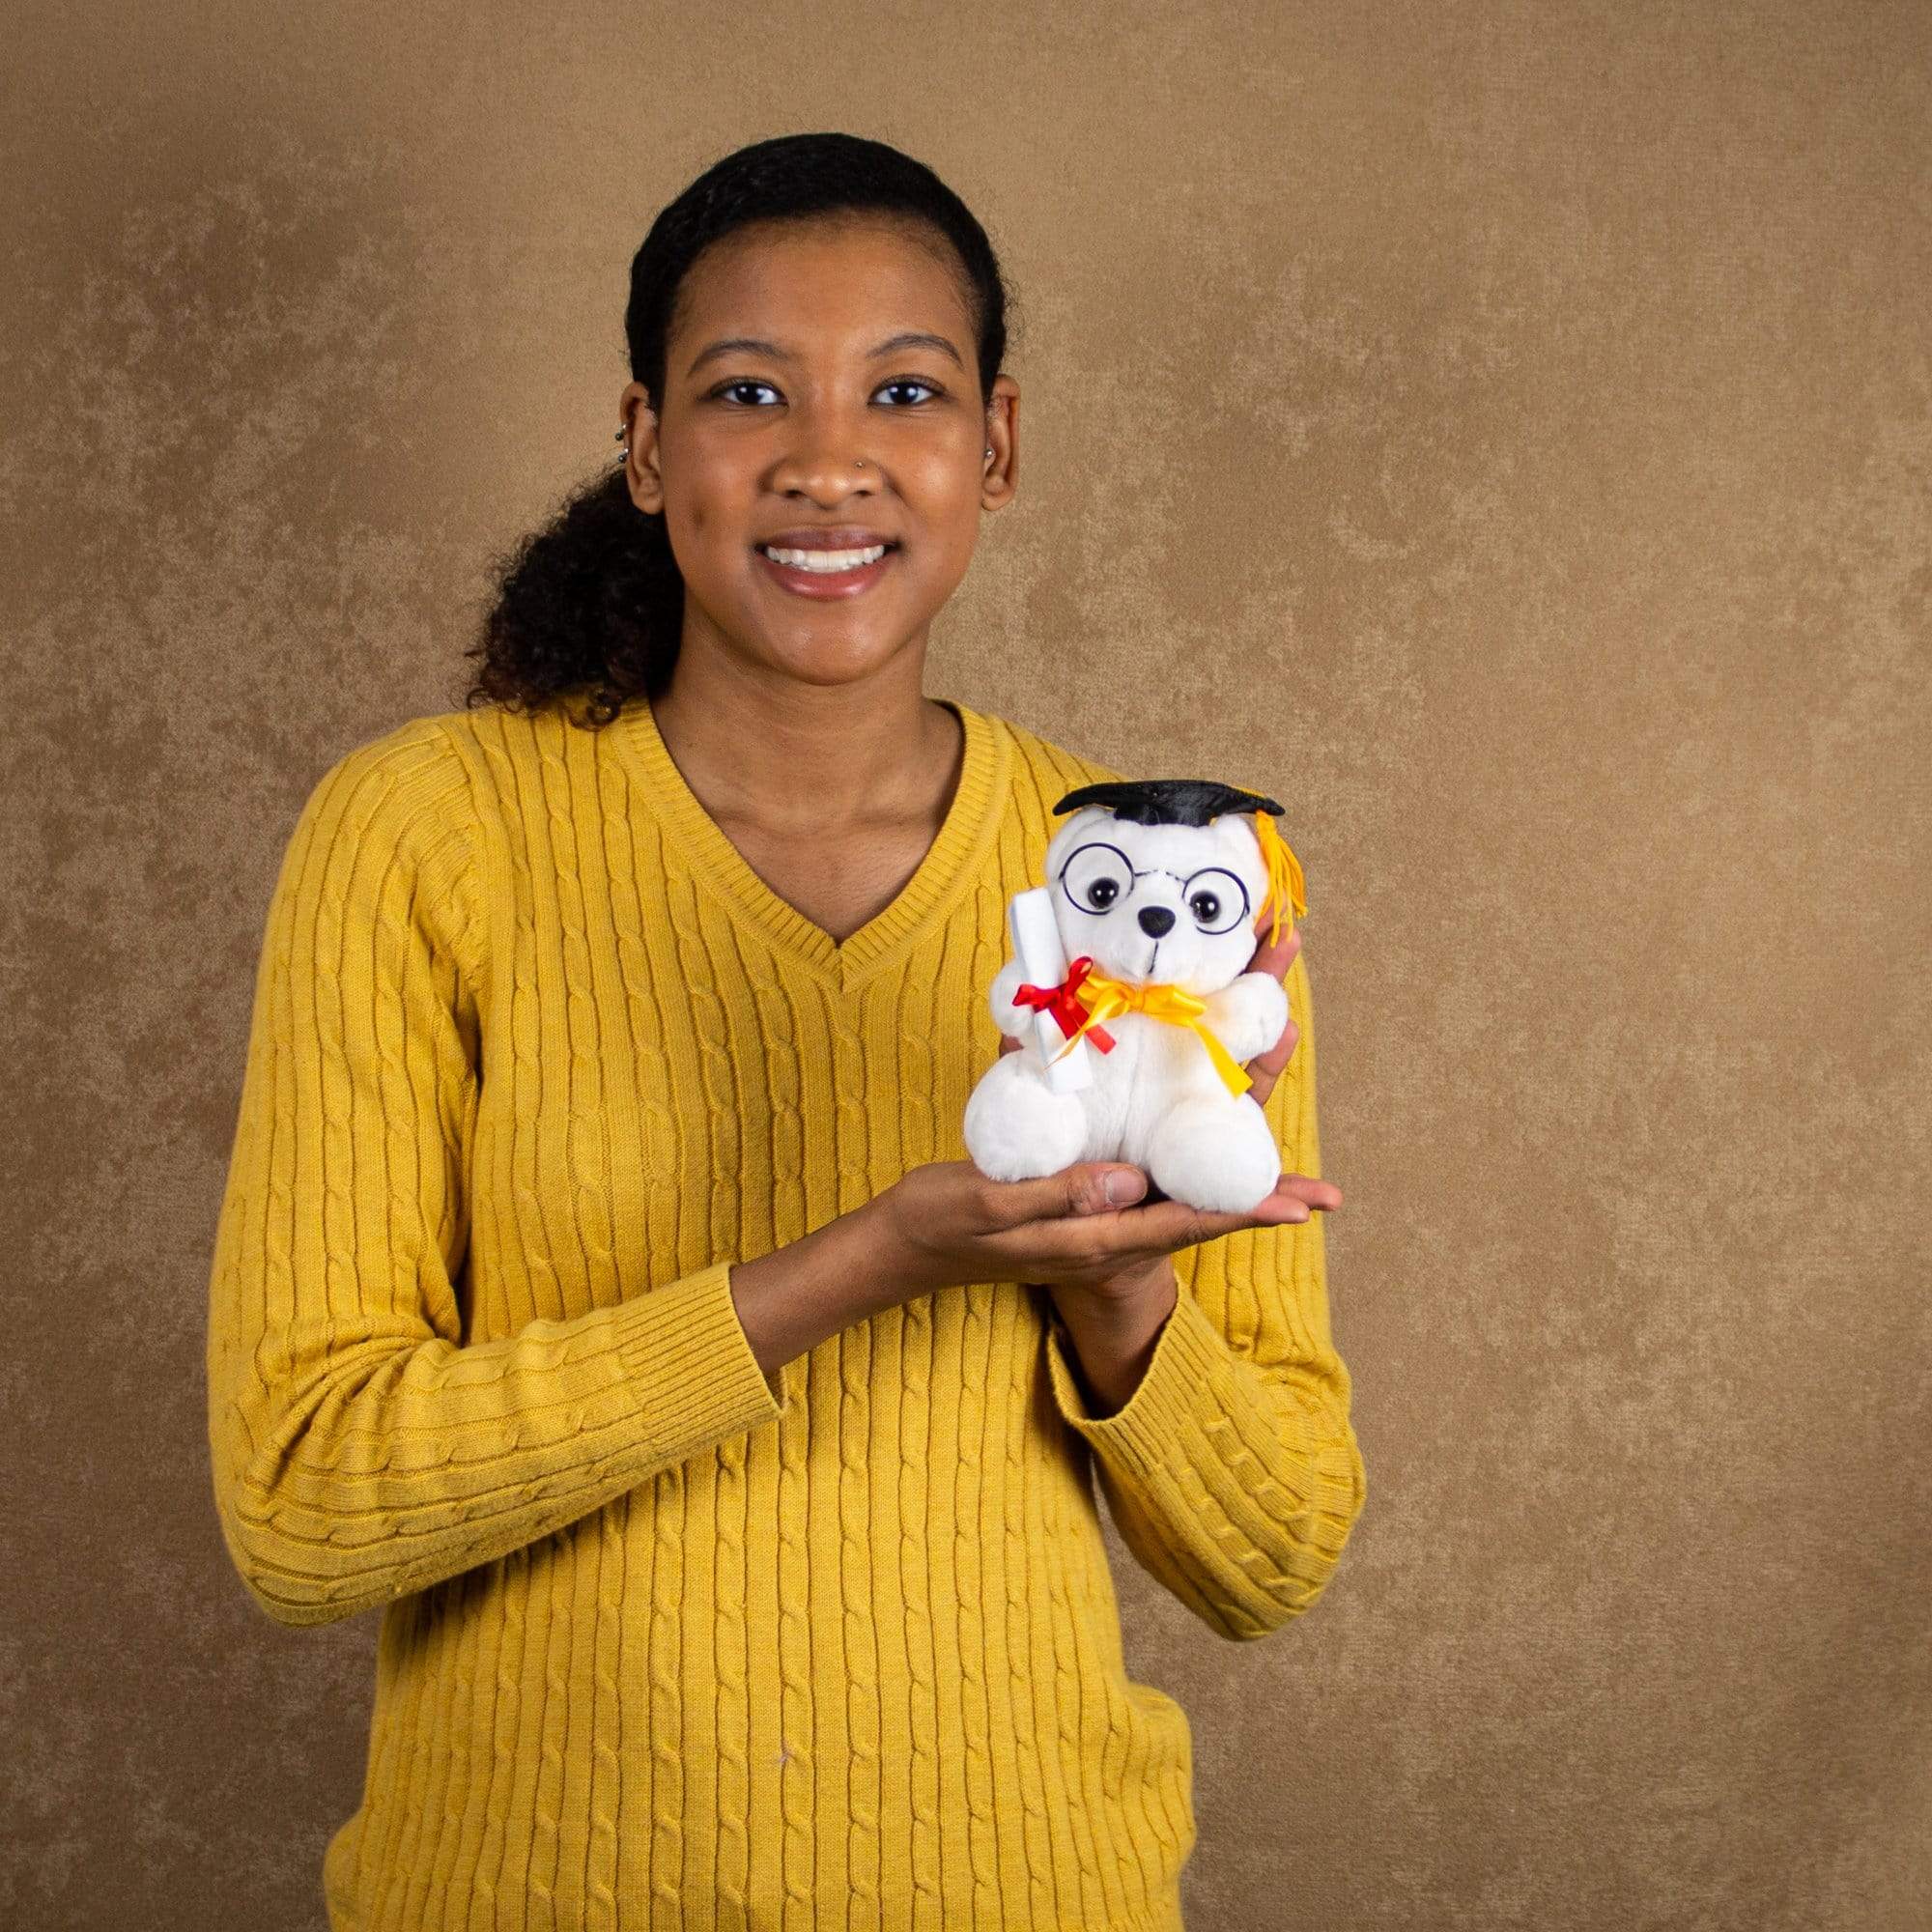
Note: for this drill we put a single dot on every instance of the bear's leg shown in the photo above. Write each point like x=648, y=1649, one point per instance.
x=1214, y=1154
x=1017, y=1128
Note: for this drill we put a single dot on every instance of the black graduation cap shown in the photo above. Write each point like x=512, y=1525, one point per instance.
x=1169, y=801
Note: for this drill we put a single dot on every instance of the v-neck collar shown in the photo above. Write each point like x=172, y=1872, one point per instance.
x=964, y=838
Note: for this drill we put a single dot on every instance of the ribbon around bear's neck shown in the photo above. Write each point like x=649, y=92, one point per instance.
x=1095, y=997
x=1158, y=1001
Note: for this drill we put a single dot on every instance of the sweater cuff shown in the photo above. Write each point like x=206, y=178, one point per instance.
x=690, y=1362
x=1178, y=1416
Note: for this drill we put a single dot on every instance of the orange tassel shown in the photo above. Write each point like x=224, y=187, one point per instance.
x=1283, y=872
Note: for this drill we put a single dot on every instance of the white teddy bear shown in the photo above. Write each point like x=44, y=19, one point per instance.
x=1153, y=888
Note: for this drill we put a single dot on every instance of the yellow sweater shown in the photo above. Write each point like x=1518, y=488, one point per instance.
x=535, y=1057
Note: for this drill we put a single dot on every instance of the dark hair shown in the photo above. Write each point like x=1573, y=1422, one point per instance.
x=594, y=601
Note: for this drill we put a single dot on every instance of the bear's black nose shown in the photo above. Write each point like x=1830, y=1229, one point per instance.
x=1157, y=922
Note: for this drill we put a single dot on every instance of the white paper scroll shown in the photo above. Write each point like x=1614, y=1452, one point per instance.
x=1043, y=961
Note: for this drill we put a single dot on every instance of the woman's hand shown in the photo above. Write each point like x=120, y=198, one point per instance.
x=1294, y=1198
x=945, y=1224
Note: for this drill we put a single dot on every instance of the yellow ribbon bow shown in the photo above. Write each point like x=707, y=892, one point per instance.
x=1175, y=1003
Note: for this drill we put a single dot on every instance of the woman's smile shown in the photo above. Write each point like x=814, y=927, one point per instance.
x=829, y=573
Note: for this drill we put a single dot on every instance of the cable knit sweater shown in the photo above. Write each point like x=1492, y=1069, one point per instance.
x=535, y=1057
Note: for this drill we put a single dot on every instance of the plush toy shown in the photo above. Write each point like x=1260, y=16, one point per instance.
x=1128, y=988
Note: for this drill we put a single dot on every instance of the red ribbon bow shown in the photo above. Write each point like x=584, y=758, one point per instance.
x=1062, y=1002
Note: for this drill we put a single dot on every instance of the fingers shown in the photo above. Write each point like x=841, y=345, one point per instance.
x=1278, y=957
x=1113, y=1237
x=1122, y=1235
x=1322, y=1194
x=1265, y=1068
x=1175, y=1224
x=1077, y=1193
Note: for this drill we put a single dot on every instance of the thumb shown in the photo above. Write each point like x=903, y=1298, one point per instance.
x=1099, y=1186
x=1079, y=1189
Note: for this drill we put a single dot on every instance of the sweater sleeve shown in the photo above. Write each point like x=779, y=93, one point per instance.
x=361, y=1449
x=1232, y=1471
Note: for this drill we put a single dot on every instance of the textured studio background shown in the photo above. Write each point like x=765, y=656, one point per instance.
x=1502, y=431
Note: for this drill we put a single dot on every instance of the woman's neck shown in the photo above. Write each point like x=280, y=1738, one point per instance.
x=799, y=760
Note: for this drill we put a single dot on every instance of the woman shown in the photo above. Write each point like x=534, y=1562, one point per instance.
x=593, y=1289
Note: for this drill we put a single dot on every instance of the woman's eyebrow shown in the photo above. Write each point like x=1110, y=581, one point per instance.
x=756, y=345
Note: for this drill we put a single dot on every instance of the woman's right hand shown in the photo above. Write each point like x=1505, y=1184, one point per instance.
x=945, y=1224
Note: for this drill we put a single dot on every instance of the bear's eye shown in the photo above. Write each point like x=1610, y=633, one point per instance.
x=1096, y=877
x=1216, y=899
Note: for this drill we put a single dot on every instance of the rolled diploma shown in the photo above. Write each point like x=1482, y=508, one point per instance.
x=1043, y=961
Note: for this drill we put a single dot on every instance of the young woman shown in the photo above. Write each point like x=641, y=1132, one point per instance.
x=599, y=1289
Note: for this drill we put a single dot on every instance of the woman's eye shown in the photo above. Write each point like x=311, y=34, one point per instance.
x=748, y=383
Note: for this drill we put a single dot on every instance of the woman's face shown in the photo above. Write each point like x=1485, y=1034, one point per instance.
x=824, y=428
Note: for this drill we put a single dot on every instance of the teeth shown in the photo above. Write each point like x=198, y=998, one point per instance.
x=824, y=560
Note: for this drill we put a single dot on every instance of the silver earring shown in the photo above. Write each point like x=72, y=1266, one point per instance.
x=624, y=435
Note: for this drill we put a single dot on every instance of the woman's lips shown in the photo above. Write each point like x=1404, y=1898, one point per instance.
x=825, y=583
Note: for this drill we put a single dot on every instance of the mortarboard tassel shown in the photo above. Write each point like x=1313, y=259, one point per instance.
x=1284, y=871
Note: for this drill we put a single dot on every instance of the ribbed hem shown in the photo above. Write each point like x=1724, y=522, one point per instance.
x=690, y=1362
x=1174, y=1392
x=1182, y=1393
x=1180, y=1414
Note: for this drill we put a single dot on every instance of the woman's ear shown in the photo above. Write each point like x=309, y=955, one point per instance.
x=639, y=427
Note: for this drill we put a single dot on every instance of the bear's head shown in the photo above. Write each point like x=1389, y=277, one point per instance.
x=1161, y=880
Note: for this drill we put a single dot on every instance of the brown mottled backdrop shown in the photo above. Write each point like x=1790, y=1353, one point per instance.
x=1502, y=431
